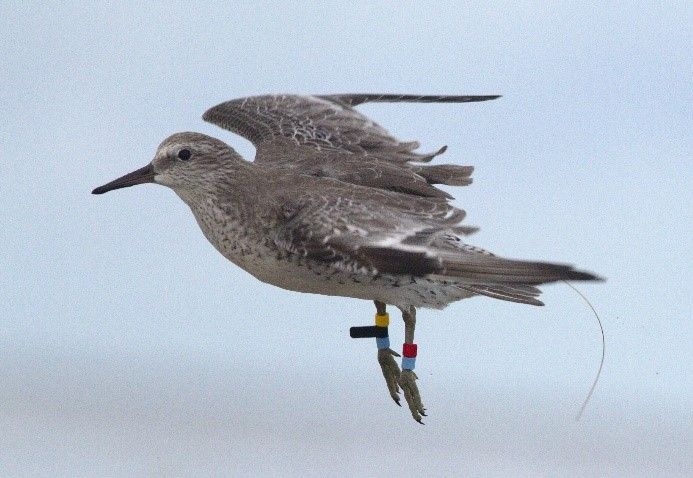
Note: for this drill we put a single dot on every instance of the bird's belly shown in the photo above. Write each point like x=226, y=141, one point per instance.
x=256, y=255
x=316, y=278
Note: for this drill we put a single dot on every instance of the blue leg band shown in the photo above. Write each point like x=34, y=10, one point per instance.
x=408, y=363
x=382, y=342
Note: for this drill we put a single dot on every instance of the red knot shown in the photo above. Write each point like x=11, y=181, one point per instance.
x=333, y=204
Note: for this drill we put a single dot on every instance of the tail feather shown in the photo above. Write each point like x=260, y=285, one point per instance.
x=488, y=269
x=512, y=294
x=508, y=279
x=470, y=268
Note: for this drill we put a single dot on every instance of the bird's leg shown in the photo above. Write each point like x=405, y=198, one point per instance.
x=407, y=378
x=386, y=356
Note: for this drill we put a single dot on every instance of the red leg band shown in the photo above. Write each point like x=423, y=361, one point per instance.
x=409, y=350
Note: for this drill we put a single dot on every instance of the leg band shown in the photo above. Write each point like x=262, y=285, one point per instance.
x=408, y=363
x=382, y=342
x=382, y=321
x=409, y=350
x=367, y=331
x=409, y=356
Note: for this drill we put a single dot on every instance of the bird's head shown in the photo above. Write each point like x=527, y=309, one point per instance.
x=182, y=161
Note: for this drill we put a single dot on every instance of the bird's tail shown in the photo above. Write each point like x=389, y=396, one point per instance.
x=508, y=279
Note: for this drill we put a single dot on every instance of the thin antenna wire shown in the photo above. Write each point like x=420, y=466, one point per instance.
x=601, y=363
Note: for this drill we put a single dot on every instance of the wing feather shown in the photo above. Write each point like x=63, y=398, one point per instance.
x=326, y=135
x=411, y=238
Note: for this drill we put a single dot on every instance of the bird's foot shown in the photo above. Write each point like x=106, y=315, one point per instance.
x=407, y=380
x=386, y=359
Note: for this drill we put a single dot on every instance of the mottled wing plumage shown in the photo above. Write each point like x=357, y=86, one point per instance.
x=325, y=135
x=416, y=237
x=306, y=120
x=324, y=122
x=356, y=232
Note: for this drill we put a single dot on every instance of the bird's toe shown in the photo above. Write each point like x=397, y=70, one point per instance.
x=407, y=381
x=391, y=372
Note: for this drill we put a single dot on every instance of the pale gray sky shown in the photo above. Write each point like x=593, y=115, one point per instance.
x=130, y=347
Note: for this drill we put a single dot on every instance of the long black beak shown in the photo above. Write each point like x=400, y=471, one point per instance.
x=141, y=176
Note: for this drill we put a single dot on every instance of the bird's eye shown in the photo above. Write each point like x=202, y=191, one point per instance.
x=184, y=154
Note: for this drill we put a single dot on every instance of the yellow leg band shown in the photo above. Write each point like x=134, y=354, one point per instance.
x=382, y=320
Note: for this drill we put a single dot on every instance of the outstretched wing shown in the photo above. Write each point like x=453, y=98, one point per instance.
x=333, y=140
x=323, y=122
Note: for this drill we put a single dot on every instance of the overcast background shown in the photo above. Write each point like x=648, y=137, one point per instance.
x=130, y=347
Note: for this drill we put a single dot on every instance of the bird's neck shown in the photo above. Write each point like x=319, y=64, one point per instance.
x=225, y=203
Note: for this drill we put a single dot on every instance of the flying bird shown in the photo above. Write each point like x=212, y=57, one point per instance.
x=333, y=204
